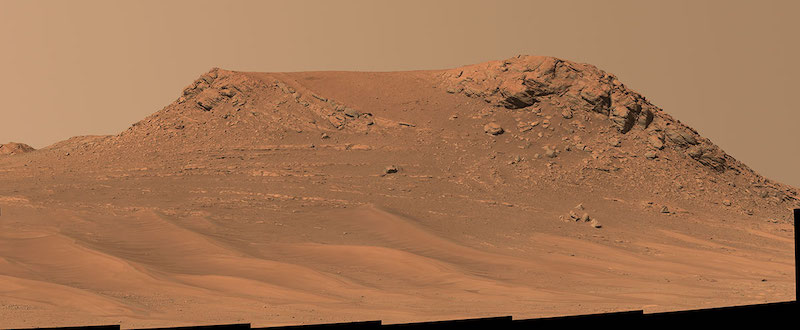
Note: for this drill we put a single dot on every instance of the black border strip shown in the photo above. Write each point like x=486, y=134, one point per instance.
x=629, y=317
x=500, y=322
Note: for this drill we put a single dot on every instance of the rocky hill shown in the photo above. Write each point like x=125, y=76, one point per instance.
x=13, y=148
x=531, y=186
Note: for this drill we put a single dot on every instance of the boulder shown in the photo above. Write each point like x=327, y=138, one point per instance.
x=656, y=141
x=493, y=129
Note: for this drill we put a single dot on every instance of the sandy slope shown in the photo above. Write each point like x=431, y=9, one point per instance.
x=262, y=197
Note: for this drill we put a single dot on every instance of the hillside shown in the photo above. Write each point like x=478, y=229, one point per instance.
x=13, y=148
x=532, y=186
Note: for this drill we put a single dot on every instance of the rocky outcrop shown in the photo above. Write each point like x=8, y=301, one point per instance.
x=525, y=81
x=215, y=87
x=14, y=148
x=708, y=155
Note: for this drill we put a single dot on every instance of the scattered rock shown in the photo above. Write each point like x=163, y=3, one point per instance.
x=614, y=142
x=567, y=114
x=337, y=120
x=726, y=202
x=656, y=141
x=550, y=152
x=594, y=223
x=406, y=124
x=390, y=169
x=524, y=127
x=452, y=90
x=579, y=206
x=664, y=209
x=650, y=155
x=325, y=136
x=350, y=112
x=284, y=88
x=493, y=129
x=585, y=217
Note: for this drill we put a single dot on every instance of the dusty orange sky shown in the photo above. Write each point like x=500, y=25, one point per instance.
x=726, y=68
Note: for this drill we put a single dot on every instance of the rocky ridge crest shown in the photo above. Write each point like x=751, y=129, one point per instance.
x=525, y=81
